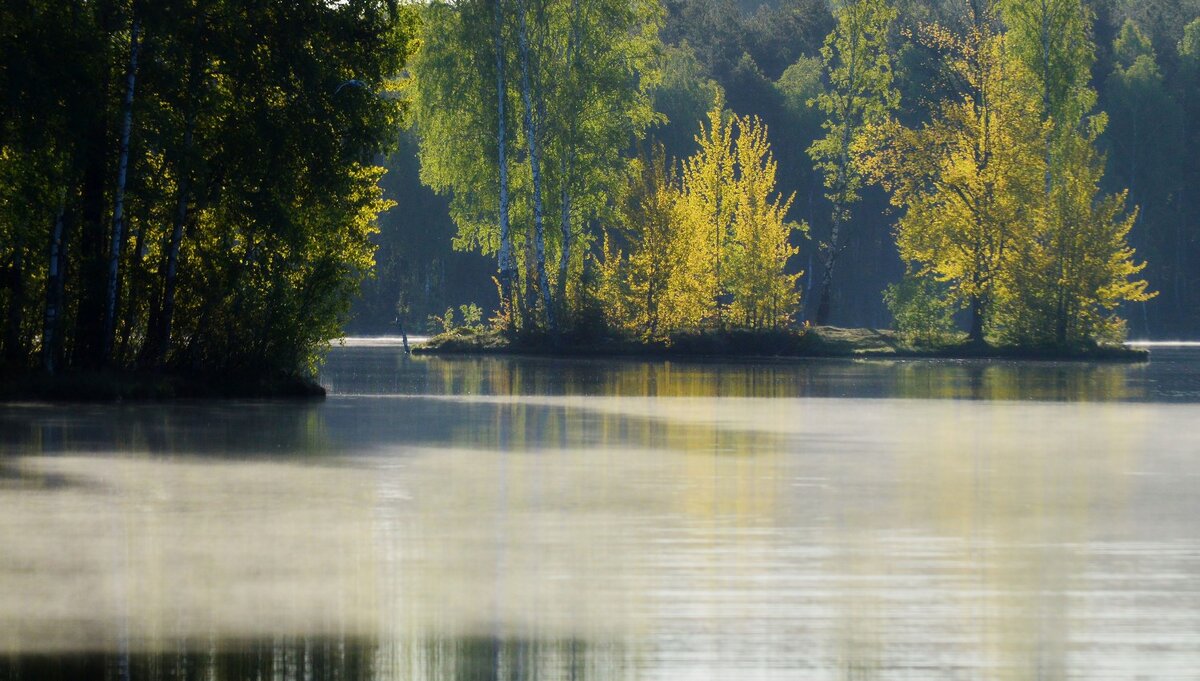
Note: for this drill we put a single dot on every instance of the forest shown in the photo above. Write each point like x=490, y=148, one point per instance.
x=226, y=185
x=1116, y=84
x=190, y=184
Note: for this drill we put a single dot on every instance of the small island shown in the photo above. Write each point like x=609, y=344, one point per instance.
x=812, y=342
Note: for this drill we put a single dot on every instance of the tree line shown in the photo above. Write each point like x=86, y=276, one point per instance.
x=977, y=122
x=196, y=184
x=190, y=184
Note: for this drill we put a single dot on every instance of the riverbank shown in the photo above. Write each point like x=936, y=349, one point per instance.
x=816, y=342
x=118, y=386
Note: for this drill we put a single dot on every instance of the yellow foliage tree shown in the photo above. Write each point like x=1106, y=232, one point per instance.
x=708, y=248
x=966, y=178
x=707, y=203
x=764, y=294
x=1067, y=281
x=1024, y=238
x=636, y=288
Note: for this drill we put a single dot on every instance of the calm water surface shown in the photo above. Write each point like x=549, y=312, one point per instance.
x=526, y=519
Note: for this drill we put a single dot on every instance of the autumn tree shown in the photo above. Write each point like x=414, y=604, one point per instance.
x=1080, y=235
x=965, y=180
x=640, y=274
x=1065, y=284
x=1002, y=199
x=706, y=209
x=709, y=247
x=762, y=289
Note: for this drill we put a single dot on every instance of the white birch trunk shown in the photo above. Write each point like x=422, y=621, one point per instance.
x=114, y=254
x=507, y=263
x=54, y=289
x=171, y=278
x=531, y=135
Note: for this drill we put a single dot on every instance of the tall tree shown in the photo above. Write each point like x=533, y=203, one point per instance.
x=505, y=256
x=860, y=96
x=1065, y=284
x=599, y=81
x=709, y=248
x=1050, y=38
x=584, y=72
x=532, y=123
x=1002, y=201
x=966, y=179
x=637, y=282
x=762, y=288
x=117, y=240
x=707, y=207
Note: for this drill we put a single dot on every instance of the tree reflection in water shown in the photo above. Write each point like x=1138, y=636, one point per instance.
x=330, y=659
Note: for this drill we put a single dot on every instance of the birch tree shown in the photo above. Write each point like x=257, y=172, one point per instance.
x=966, y=179
x=117, y=240
x=1080, y=238
x=860, y=96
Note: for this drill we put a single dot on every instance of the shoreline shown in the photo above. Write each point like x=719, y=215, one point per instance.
x=815, y=343
x=144, y=386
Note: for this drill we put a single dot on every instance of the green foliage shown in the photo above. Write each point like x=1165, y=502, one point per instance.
x=860, y=97
x=922, y=308
x=1131, y=44
x=767, y=61
x=1051, y=39
x=470, y=318
x=1189, y=44
x=802, y=88
x=445, y=322
x=592, y=66
x=684, y=96
x=1002, y=202
x=250, y=198
x=860, y=94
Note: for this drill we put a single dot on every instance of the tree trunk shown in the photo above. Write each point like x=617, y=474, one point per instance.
x=114, y=254
x=976, y=335
x=1060, y=325
x=834, y=248
x=162, y=341
x=529, y=298
x=54, y=290
x=531, y=135
x=568, y=160
x=564, y=260
x=135, y=273
x=827, y=278
x=93, y=230
x=507, y=263
x=16, y=307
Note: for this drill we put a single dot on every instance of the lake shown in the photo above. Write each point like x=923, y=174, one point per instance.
x=521, y=519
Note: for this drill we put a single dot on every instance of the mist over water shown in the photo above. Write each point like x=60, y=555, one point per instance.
x=510, y=518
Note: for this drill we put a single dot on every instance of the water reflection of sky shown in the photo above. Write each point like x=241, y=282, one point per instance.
x=530, y=519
